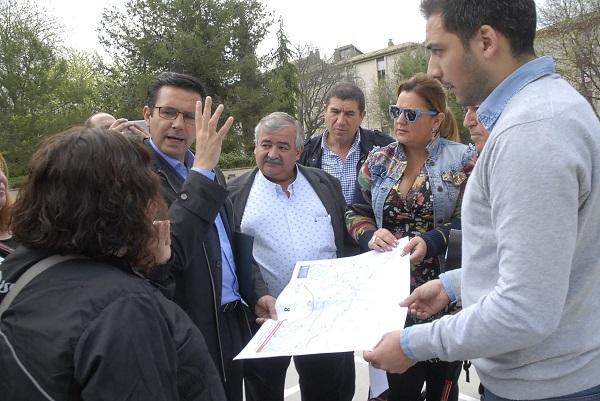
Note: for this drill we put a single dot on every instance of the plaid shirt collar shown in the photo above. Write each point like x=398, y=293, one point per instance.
x=353, y=148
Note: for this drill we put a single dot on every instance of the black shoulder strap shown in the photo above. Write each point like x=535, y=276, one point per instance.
x=5, y=248
x=29, y=275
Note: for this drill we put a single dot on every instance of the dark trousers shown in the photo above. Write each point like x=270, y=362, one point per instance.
x=232, y=343
x=323, y=377
x=435, y=375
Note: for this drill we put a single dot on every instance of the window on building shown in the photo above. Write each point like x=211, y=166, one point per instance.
x=381, y=68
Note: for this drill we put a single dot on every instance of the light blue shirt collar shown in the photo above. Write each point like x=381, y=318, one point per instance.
x=176, y=164
x=489, y=111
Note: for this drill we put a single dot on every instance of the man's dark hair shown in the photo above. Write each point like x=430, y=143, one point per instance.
x=177, y=80
x=515, y=19
x=347, y=91
x=90, y=192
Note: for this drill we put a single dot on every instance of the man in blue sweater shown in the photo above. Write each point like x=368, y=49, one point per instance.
x=530, y=281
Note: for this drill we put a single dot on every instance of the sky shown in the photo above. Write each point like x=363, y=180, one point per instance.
x=324, y=24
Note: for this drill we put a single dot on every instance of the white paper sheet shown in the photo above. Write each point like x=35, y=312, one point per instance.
x=336, y=305
x=378, y=382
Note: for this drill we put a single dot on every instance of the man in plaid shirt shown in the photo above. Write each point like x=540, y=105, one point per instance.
x=344, y=145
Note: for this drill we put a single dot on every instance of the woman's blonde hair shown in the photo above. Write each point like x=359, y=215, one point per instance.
x=433, y=93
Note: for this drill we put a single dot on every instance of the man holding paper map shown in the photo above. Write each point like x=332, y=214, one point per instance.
x=294, y=213
x=530, y=317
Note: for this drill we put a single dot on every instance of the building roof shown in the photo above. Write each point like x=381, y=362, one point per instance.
x=379, y=53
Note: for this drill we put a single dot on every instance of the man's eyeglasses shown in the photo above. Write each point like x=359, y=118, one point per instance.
x=169, y=113
x=411, y=115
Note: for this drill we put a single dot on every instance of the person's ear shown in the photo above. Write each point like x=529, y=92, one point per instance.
x=488, y=40
x=362, y=115
x=438, y=120
x=147, y=112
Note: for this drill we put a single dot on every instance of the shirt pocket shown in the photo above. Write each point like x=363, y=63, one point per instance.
x=321, y=233
x=453, y=179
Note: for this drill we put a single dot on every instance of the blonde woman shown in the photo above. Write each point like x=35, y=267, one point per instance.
x=413, y=187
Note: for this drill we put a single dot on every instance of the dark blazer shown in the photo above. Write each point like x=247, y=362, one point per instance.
x=193, y=274
x=328, y=189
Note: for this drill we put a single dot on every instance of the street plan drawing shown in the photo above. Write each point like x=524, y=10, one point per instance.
x=336, y=305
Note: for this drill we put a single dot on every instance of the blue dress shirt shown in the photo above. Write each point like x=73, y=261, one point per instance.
x=230, y=287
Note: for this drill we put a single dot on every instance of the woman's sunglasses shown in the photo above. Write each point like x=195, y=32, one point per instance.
x=410, y=115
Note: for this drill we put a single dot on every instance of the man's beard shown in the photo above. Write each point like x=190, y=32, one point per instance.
x=478, y=87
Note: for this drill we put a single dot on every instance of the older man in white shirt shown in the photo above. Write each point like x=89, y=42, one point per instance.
x=294, y=213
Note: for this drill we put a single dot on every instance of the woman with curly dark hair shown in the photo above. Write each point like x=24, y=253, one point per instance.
x=91, y=327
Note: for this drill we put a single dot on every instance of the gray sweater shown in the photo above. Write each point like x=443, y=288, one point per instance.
x=530, y=282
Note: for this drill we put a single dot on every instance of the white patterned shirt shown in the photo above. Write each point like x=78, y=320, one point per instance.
x=286, y=230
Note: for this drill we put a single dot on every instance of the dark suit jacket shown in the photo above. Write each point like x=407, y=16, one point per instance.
x=193, y=274
x=312, y=154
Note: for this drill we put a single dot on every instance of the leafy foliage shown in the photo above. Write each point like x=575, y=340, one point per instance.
x=316, y=77
x=42, y=89
x=236, y=159
x=214, y=40
x=282, y=78
x=571, y=34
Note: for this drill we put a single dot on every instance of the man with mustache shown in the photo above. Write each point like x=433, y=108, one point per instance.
x=213, y=280
x=294, y=213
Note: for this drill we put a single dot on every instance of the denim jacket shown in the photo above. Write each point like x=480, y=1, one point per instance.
x=448, y=166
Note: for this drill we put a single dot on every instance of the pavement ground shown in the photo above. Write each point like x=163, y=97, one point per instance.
x=468, y=391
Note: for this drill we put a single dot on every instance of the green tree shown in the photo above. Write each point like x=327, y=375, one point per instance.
x=44, y=88
x=29, y=57
x=30, y=72
x=411, y=62
x=571, y=33
x=282, y=79
x=214, y=40
x=245, y=95
x=78, y=94
x=316, y=77
x=382, y=94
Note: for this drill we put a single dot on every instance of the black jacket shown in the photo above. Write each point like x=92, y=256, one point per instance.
x=193, y=275
x=328, y=189
x=313, y=153
x=93, y=329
